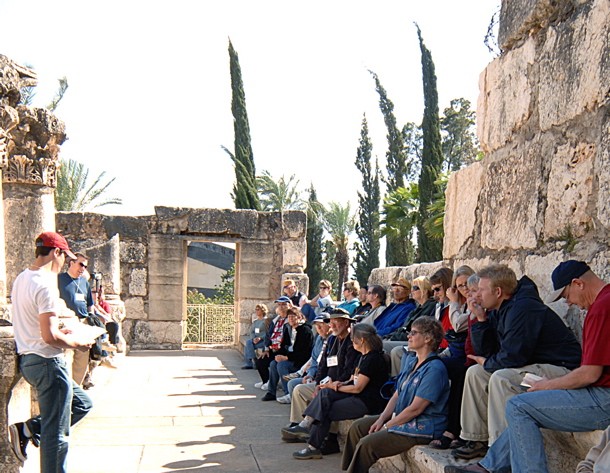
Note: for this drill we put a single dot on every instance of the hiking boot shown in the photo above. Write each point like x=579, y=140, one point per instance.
x=19, y=441
x=308, y=454
x=247, y=367
x=268, y=397
x=475, y=467
x=295, y=432
x=471, y=449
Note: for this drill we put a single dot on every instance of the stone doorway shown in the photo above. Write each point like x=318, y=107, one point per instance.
x=153, y=255
x=210, y=301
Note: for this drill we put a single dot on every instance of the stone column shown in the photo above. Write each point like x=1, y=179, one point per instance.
x=28, y=181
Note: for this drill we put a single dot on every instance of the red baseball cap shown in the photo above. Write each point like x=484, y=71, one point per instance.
x=54, y=240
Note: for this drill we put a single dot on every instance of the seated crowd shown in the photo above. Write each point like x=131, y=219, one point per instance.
x=478, y=364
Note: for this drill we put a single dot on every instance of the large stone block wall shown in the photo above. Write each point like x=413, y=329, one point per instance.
x=543, y=120
x=152, y=261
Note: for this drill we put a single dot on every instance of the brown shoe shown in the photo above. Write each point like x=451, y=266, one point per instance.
x=471, y=449
x=458, y=468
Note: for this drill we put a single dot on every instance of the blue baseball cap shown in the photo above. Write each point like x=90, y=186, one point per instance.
x=284, y=299
x=564, y=274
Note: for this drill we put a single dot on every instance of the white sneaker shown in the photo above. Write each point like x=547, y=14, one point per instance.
x=258, y=385
x=284, y=399
x=265, y=386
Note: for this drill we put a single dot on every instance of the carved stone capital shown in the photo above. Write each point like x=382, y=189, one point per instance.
x=24, y=170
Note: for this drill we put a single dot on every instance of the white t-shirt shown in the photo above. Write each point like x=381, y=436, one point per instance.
x=34, y=293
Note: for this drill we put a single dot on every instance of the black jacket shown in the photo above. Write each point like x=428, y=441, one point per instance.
x=525, y=331
x=303, y=344
x=347, y=356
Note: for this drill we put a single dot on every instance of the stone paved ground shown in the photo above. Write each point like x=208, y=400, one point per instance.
x=182, y=412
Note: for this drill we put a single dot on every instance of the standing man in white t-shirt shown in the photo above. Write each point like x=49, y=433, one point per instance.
x=40, y=344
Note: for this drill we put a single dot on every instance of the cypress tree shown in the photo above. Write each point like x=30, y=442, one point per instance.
x=315, y=246
x=245, y=193
x=429, y=249
x=398, y=169
x=367, y=227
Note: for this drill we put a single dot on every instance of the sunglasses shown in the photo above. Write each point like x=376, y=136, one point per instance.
x=437, y=289
x=324, y=287
x=415, y=288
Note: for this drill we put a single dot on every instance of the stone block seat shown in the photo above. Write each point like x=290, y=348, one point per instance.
x=564, y=451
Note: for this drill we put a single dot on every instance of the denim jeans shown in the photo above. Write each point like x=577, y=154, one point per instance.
x=293, y=383
x=62, y=404
x=249, y=348
x=520, y=446
x=276, y=370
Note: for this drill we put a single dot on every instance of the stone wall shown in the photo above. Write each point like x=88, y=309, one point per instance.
x=152, y=261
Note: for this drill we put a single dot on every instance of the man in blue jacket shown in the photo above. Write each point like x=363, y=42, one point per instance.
x=396, y=313
x=518, y=334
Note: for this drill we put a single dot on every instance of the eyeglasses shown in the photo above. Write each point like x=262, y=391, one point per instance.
x=412, y=333
x=415, y=288
x=437, y=289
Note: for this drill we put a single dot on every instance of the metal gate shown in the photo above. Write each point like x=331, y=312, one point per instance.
x=210, y=324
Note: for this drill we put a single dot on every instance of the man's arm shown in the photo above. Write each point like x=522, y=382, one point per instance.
x=52, y=335
x=579, y=378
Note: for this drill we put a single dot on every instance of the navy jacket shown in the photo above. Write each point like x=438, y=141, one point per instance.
x=525, y=331
x=393, y=317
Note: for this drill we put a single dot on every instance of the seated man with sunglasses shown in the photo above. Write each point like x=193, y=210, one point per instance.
x=75, y=290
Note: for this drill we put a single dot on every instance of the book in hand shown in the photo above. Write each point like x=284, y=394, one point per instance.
x=83, y=333
x=529, y=378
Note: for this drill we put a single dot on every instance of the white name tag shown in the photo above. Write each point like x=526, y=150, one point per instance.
x=257, y=330
x=332, y=361
x=79, y=297
x=319, y=358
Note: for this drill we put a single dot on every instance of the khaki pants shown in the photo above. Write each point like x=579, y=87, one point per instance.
x=396, y=358
x=301, y=397
x=80, y=363
x=486, y=395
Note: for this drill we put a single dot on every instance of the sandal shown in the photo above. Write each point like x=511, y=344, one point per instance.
x=457, y=443
x=443, y=443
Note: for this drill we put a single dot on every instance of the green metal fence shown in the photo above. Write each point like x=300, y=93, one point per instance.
x=210, y=324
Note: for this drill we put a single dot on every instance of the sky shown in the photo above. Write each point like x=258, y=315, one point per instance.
x=149, y=97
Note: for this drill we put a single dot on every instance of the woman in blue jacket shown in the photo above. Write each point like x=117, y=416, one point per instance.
x=416, y=413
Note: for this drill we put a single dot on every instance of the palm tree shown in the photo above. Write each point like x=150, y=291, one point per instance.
x=340, y=224
x=72, y=193
x=435, y=224
x=401, y=216
x=279, y=195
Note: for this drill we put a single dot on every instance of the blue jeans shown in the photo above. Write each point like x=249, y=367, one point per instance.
x=249, y=348
x=276, y=370
x=62, y=404
x=520, y=446
x=309, y=312
x=293, y=383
